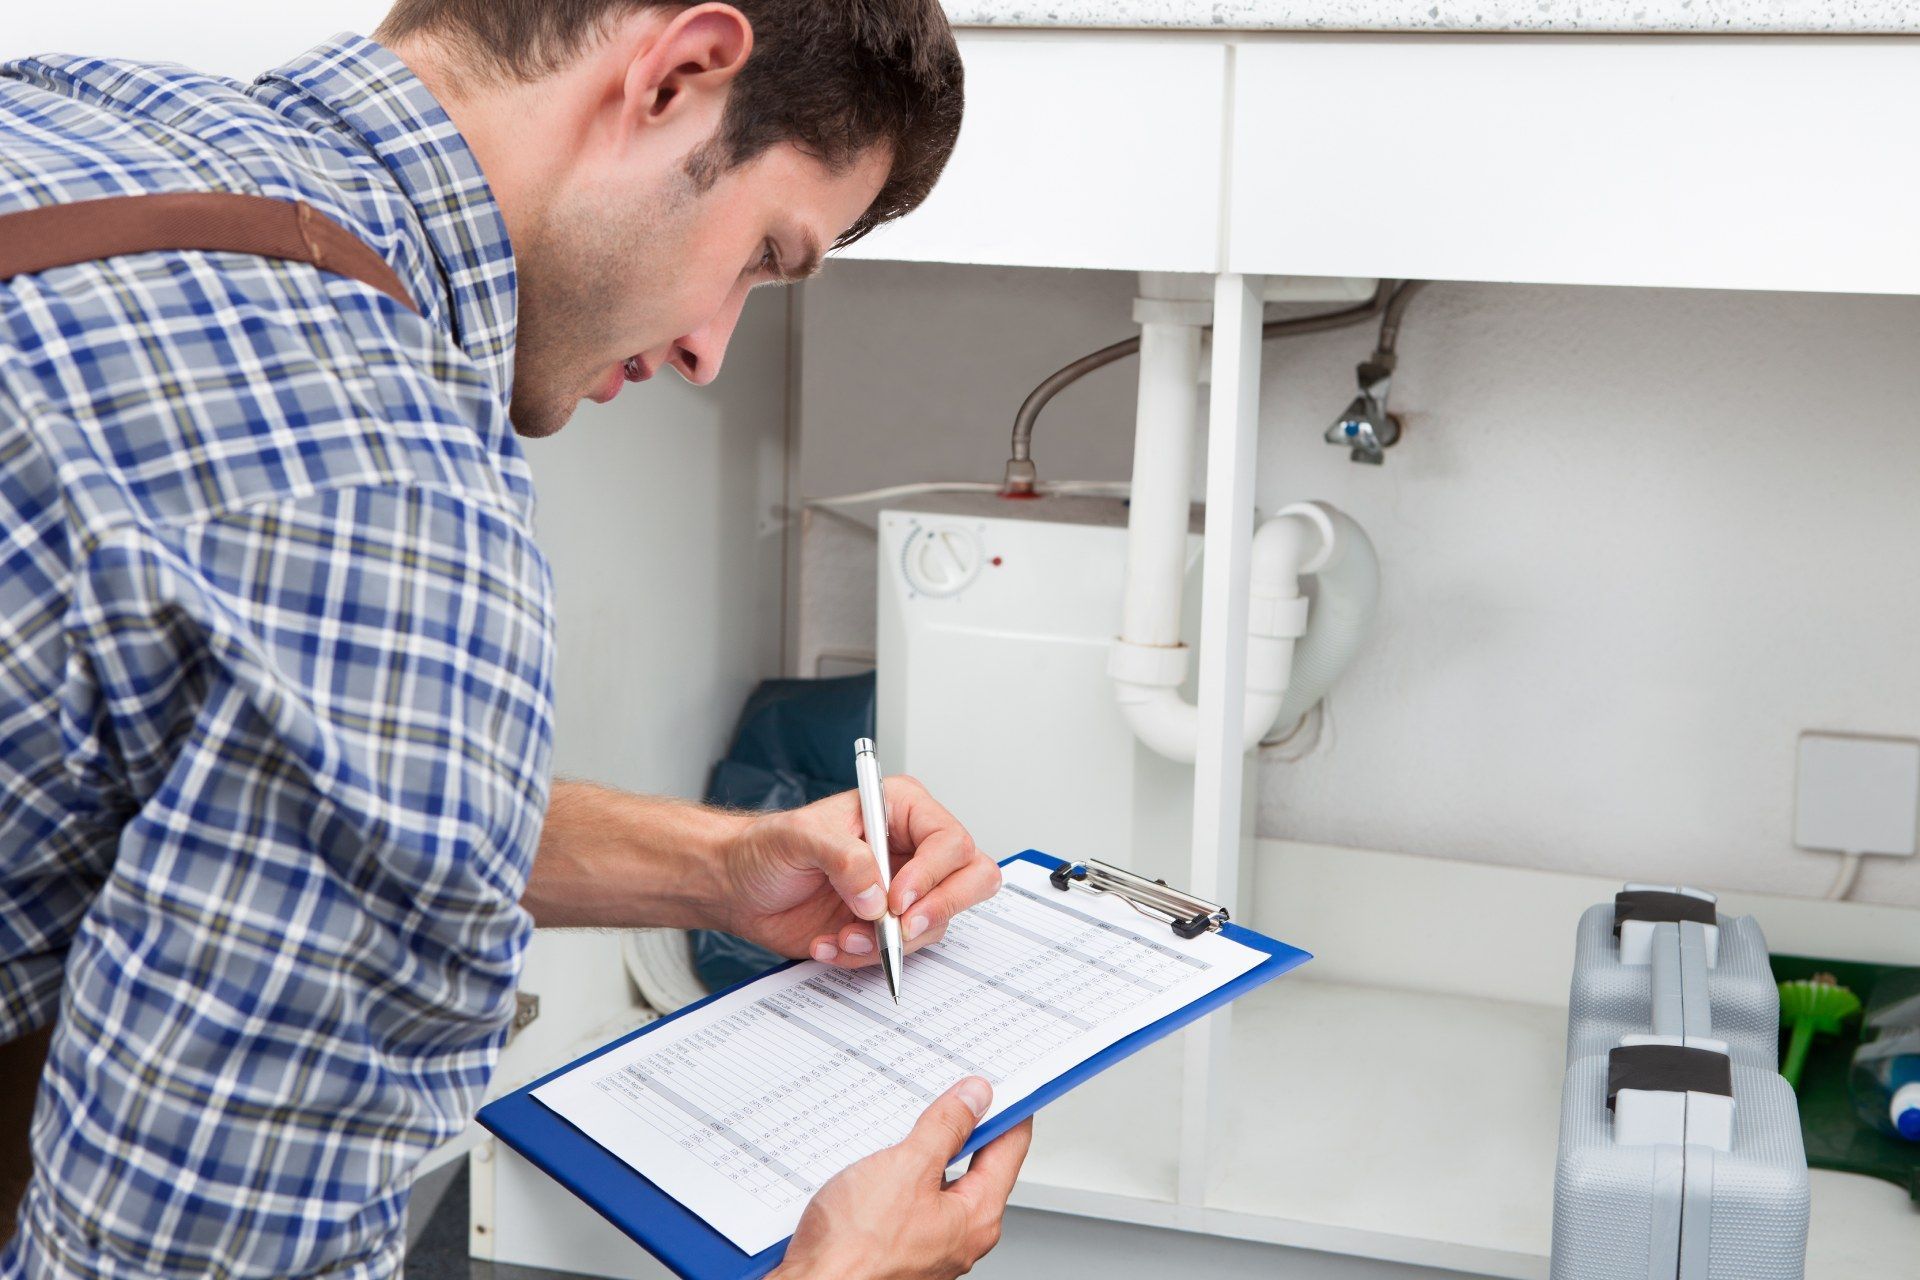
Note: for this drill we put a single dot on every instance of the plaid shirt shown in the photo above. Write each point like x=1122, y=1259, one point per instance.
x=275, y=661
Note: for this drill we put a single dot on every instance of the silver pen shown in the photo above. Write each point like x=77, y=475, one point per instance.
x=873, y=816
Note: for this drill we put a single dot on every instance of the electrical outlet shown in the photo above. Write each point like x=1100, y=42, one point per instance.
x=1858, y=794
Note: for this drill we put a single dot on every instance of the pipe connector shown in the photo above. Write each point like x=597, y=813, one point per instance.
x=1147, y=666
x=1347, y=582
x=1022, y=476
x=1295, y=649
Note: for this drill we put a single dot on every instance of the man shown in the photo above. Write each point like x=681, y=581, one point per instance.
x=275, y=817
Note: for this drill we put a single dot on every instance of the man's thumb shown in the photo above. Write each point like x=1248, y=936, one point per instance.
x=944, y=1127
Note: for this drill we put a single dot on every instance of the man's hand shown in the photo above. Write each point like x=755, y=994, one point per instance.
x=893, y=1216
x=804, y=882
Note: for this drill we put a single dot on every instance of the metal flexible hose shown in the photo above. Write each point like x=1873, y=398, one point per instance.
x=1389, y=297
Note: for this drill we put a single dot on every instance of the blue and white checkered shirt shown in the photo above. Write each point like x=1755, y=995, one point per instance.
x=275, y=674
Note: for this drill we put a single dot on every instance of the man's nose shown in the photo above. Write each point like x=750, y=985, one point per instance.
x=699, y=354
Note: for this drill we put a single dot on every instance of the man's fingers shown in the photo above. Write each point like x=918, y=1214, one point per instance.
x=850, y=867
x=944, y=853
x=857, y=940
x=968, y=887
x=988, y=1181
x=943, y=1128
x=913, y=815
x=854, y=947
x=933, y=934
x=844, y=950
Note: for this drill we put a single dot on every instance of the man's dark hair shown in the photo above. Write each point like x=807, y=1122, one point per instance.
x=834, y=77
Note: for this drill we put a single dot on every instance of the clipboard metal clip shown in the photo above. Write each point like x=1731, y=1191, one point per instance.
x=1189, y=916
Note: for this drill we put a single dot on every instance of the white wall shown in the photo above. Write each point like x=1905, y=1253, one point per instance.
x=915, y=373
x=660, y=515
x=236, y=38
x=1634, y=542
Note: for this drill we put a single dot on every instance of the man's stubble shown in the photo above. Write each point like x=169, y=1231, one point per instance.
x=595, y=248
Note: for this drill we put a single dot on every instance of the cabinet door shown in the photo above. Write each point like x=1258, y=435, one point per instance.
x=1078, y=151
x=1704, y=162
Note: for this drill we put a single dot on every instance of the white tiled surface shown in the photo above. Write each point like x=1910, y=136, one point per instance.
x=1779, y=16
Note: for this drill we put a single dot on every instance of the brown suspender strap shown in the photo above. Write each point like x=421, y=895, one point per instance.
x=62, y=235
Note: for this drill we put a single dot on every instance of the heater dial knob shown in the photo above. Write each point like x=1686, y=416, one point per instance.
x=941, y=560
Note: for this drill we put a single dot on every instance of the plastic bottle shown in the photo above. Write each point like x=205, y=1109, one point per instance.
x=1885, y=1081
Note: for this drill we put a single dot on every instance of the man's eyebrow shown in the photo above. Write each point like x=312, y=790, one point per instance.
x=810, y=260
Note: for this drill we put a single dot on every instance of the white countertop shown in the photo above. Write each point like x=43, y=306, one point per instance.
x=1838, y=17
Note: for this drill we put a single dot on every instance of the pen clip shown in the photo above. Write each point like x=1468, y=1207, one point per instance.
x=1189, y=916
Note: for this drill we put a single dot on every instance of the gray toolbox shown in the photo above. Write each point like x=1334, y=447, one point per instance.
x=1644, y=931
x=1680, y=1152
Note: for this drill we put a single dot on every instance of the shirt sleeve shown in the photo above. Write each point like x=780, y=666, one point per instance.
x=331, y=720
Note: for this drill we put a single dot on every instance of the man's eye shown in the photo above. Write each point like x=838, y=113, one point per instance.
x=769, y=259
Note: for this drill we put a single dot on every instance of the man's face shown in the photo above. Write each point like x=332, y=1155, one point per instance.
x=620, y=283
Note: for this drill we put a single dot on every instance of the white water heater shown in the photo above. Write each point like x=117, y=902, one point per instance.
x=995, y=618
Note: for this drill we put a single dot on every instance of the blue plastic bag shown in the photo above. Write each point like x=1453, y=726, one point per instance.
x=793, y=745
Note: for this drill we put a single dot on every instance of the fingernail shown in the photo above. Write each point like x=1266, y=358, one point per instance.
x=976, y=1093
x=916, y=927
x=871, y=904
x=859, y=944
x=906, y=900
x=825, y=952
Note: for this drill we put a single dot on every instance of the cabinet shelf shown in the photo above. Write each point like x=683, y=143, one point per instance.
x=1377, y=1105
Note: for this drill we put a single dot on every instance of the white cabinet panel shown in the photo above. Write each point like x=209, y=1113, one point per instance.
x=1719, y=163
x=1084, y=151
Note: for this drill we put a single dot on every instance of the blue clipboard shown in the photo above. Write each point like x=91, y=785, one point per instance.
x=681, y=1238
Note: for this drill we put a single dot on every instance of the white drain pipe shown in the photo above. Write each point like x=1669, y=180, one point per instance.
x=1161, y=501
x=1346, y=589
x=1294, y=653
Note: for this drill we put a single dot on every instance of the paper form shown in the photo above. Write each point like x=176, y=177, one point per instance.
x=742, y=1109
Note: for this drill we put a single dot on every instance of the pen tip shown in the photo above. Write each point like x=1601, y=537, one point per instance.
x=892, y=968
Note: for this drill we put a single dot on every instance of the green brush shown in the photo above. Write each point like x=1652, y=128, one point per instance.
x=1812, y=1006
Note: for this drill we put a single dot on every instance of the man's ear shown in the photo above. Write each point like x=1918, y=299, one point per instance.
x=686, y=70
